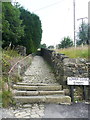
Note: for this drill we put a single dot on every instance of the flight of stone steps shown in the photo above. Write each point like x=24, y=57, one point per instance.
x=39, y=93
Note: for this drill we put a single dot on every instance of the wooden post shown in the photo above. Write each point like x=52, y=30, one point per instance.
x=84, y=93
x=72, y=93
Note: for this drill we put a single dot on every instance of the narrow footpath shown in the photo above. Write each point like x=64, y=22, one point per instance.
x=39, y=72
x=41, y=75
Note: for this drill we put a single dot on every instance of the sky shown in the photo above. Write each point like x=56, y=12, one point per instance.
x=57, y=17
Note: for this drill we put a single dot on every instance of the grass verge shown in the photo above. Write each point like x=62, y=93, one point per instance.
x=78, y=52
x=9, y=57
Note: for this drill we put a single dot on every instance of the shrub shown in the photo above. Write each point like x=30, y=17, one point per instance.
x=6, y=98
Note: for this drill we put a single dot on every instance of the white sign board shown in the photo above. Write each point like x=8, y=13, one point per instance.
x=77, y=81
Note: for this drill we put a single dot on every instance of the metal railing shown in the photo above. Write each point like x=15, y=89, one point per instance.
x=18, y=69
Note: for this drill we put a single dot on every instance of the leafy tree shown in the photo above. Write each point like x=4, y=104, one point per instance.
x=51, y=47
x=12, y=30
x=83, y=34
x=33, y=31
x=43, y=46
x=37, y=31
x=21, y=27
x=65, y=43
x=27, y=39
x=0, y=18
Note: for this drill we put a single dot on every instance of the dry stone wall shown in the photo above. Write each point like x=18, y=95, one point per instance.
x=64, y=66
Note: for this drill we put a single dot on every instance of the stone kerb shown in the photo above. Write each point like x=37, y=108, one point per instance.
x=19, y=68
x=64, y=66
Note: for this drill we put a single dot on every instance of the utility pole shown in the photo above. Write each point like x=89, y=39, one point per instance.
x=74, y=22
x=82, y=23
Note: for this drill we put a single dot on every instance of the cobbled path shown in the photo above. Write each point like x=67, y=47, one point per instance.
x=38, y=72
x=25, y=111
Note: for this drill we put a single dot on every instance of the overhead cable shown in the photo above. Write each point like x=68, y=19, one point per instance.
x=50, y=5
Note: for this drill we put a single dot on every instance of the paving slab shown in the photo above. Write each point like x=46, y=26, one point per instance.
x=62, y=99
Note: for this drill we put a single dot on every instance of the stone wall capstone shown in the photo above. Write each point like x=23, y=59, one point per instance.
x=64, y=66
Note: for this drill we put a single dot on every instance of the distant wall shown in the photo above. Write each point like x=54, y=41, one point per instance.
x=64, y=66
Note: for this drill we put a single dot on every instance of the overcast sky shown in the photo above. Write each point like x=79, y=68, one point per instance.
x=56, y=17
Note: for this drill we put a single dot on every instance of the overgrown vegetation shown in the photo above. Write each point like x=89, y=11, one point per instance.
x=8, y=56
x=10, y=53
x=79, y=52
x=78, y=94
x=6, y=98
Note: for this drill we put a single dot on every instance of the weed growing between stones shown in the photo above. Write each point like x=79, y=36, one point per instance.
x=7, y=99
x=78, y=94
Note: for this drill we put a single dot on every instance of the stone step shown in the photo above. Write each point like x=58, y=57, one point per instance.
x=37, y=93
x=37, y=88
x=59, y=99
x=35, y=84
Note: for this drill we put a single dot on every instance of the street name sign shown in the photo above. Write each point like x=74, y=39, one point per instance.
x=78, y=81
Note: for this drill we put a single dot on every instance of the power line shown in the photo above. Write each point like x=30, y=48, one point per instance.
x=74, y=22
x=48, y=6
x=82, y=19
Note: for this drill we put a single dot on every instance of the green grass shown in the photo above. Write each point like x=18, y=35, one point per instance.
x=6, y=98
x=10, y=53
x=79, y=52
